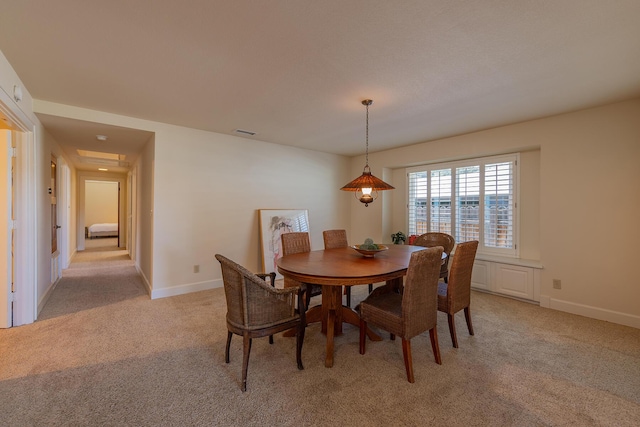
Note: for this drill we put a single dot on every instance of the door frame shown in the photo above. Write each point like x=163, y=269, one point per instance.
x=64, y=212
x=25, y=296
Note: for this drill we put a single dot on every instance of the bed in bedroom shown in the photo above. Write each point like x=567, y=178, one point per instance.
x=103, y=230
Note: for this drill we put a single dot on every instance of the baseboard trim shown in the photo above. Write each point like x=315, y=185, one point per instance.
x=47, y=295
x=186, y=289
x=145, y=281
x=590, y=311
x=500, y=294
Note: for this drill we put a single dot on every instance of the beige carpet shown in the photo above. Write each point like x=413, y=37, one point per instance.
x=103, y=353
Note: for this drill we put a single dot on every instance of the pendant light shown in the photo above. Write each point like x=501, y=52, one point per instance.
x=366, y=186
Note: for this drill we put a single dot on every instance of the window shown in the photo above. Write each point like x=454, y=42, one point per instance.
x=471, y=200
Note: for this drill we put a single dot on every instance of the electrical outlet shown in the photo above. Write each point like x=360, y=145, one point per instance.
x=557, y=284
x=196, y=268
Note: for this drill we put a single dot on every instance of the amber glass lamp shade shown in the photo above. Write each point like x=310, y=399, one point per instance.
x=366, y=186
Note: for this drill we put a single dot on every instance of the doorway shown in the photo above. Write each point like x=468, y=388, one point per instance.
x=102, y=212
x=85, y=219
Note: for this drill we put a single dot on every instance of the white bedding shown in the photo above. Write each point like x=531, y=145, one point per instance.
x=105, y=229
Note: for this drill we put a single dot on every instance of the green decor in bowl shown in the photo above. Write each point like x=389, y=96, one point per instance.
x=369, y=249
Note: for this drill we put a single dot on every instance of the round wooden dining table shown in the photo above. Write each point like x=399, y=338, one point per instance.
x=334, y=268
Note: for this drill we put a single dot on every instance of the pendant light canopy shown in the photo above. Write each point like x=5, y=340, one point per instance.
x=366, y=186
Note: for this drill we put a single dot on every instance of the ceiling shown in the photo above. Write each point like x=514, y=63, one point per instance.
x=295, y=72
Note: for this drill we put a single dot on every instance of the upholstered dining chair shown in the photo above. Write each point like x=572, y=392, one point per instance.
x=456, y=294
x=256, y=309
x=433, y=239
x=410, y=313
x=295, y=243
x=338, y=239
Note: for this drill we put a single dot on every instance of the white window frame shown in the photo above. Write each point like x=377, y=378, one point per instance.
x=512, y=252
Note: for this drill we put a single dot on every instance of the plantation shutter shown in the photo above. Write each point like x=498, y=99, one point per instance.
x=498, y=205
x=467, y=203
x=417, y=203
x=440, y=197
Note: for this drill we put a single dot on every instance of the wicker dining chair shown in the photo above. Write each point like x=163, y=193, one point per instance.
x=456, y=294
x=338, y=239
x=410, y=313
x=295, y=243
x=433, y=239
x=256, y=309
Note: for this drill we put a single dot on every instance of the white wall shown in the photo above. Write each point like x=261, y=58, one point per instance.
x=208, y=190
x=580, y=220
x=144, y=213
x=100, y=202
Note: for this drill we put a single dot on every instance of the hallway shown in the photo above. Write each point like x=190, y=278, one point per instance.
x=100, y=275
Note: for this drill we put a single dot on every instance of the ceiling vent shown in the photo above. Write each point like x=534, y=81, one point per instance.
x=244, y=132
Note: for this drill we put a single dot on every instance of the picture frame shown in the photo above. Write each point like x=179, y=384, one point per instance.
x=274, y=223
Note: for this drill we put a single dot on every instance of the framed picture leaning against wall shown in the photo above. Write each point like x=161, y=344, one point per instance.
x=274, y=223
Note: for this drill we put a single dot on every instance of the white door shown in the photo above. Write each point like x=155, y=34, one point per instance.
x=6, y=233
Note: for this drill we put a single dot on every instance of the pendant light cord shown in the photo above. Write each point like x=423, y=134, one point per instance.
x=367, y=139
x=366, y=103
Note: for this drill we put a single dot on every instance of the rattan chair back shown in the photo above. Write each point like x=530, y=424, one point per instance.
x=335, y=239
x=456, y=294
x=420, y=296
x=296, y=243
x=433, y=239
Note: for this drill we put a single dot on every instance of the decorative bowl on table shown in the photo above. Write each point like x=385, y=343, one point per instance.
x=370, y=252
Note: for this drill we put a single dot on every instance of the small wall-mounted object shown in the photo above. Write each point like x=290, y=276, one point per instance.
x=17, y=93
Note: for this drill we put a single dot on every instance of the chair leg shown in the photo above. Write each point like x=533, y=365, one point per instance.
x=299, y=341
x=452, y=329
x=408, y=362
x=433, y=334
x=363, y=335
x=226, y=352
x=467, y=315
x=246, y=349
x=270, y=339
x=307, y=296
x=370, y=287
x=392, y=337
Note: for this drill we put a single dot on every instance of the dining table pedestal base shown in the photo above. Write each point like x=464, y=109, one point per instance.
x=333, y=314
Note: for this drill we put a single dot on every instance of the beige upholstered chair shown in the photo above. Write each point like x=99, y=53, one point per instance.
x=295, y=243
x=430, y=240
x=256, y=309
x=410, y=313
x=338, y=239
x=456, y=294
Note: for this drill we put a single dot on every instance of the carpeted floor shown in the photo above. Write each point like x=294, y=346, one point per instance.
x=103, y=353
